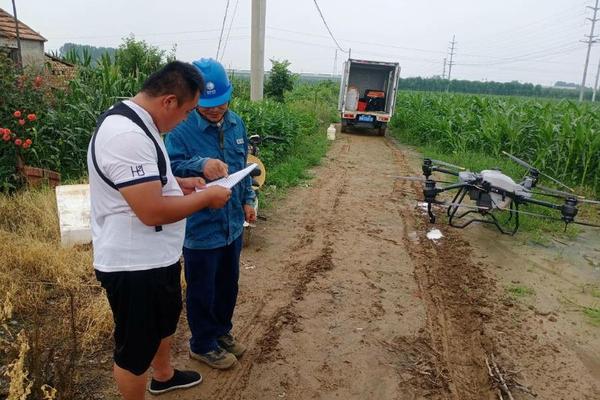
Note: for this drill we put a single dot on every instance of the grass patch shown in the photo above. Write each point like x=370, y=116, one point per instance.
x=518, y=291
x=593, y=315
x=292, y=169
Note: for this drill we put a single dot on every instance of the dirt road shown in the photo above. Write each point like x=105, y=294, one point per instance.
x=343, y=296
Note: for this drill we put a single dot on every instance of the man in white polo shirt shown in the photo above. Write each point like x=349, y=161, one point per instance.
x=138, y=226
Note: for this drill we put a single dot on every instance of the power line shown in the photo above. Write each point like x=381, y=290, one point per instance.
x=222, y=29
x=327, y=26
x=229, y=30
x=530, y=26
x=532, y=56
x=392, y=46
x=141, y=34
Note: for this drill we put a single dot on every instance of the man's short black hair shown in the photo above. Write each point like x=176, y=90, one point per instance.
x=178, y=78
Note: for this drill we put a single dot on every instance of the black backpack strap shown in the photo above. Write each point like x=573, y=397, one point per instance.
x=122, y=109
x=125, y=111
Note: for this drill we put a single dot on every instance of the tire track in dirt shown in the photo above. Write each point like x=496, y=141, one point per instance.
x=335, y=309
x=455, y=292
x=265, y=334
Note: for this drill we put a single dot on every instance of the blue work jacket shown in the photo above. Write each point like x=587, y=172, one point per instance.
x=190, y=145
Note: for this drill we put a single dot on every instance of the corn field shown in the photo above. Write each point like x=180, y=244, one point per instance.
x=562, y=138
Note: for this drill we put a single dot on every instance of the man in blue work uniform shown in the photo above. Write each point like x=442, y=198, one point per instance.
x=212, y=143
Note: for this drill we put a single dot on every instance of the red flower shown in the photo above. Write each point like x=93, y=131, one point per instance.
x=28, y=142
x=21, y=122
x=18, y=142
x=31, y=117
x=17, y=114
x=37, y=82
x=6, y=137
x=7, y=131
x=26, y=146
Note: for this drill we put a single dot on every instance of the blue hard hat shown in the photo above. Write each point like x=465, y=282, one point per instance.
x=217, y=88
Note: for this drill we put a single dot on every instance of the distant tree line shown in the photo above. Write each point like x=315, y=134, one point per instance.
x=513, y=88
x=94, y=52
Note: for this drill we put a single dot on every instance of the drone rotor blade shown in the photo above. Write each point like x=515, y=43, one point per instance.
x=564, y=195
x=543, y=193
x=589, y=201
x=555, y=218
x=529, y=166
x=557, y=182
x=586, y=224
x=460, y=205
x=408, y=178
x=445, y=164
x=418, y=179
x=518, y=160
x=555, y=192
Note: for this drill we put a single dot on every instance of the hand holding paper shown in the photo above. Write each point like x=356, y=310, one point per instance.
x=233, y=179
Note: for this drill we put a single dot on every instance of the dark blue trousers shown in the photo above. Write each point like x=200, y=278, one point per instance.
x=212, y=288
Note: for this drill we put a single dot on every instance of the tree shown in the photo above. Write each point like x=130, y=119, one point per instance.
x=73, y=52
x=280, y=80
x=136, y=57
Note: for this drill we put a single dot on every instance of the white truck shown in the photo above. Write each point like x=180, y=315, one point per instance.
x=368, y=94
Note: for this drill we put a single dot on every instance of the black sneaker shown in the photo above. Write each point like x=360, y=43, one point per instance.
x=180, y=380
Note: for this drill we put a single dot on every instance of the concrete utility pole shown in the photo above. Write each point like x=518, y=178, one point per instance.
x=334, y=65
x=591, y=40
x=444, y=73
x=257, y=49
x=19, y=55
x=452, y=48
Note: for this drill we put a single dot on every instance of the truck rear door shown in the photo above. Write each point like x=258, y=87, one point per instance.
x=343, y=87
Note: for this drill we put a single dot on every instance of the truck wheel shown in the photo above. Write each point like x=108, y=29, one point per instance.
x=344, y=127
x=381, y=130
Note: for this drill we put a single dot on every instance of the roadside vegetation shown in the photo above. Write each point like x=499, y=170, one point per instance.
x=558, y=137
x=55, y=324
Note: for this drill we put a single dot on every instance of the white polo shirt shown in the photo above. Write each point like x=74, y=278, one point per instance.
x=127, y=156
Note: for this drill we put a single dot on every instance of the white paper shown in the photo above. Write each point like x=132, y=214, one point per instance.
x=233, y=179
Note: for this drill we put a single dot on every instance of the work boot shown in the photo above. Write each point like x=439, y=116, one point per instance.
x=219, y=358
x=231, y=345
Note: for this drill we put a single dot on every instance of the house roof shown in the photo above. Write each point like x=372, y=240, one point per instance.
x=7, y=28
x=58, y=60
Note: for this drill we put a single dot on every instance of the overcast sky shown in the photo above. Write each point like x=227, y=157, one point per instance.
x=527, y=40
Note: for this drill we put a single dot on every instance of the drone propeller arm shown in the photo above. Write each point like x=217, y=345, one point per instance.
x=445, y=171
x=452, y=187
x=540, y=203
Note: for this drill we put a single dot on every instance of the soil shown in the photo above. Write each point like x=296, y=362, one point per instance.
x=343, y=296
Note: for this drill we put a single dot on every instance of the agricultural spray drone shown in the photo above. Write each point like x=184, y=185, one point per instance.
x=495, y=193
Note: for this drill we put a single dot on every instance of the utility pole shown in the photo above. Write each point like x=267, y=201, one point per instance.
x=19, y=55
x=591, y=40
x=334, y=65
x=452, y=48
x=444, y=73
x=257, y=49
x=451, y=63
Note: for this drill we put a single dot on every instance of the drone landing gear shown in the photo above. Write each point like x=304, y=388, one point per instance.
x=489, y=218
